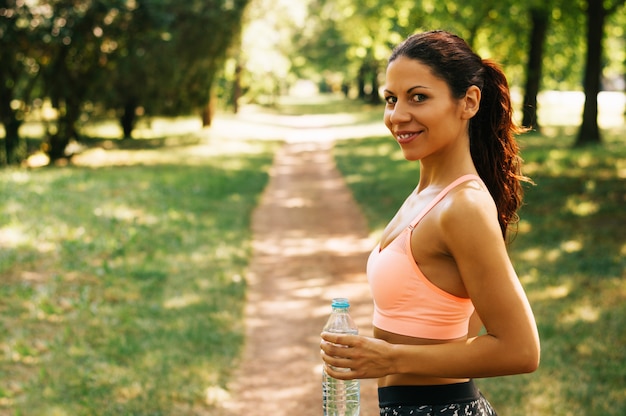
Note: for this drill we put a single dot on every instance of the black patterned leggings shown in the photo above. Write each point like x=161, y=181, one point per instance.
x=462, y=399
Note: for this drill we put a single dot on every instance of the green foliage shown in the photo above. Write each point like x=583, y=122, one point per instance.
x=145, y=56
x=123, y=286
x=21, y=51
x=339, y=36
x=162, y=57
x=569, y=254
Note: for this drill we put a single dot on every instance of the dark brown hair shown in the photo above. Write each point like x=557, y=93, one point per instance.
x=492, y=131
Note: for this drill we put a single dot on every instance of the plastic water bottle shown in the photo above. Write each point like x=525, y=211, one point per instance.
x=340, y=398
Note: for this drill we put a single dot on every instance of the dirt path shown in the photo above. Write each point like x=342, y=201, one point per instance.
x=310, y=245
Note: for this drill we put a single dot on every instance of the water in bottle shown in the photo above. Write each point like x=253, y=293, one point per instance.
x=340, y=398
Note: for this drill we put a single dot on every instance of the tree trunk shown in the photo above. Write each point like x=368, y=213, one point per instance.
x=11, y=140
x=11, y=132
x=589, y=132
x=361, y=81
x=540, y=20
x=209, y=110
x=66, y=131
x=237, y=88
x=8, y=118
x=129, y=118
x=374, y=94
x=57, y=144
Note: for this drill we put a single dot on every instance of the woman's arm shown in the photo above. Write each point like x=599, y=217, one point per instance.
x=511, y=343
x=475, y=325
x=473, y=238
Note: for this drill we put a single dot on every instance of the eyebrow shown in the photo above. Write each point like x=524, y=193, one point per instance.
x=410, y=89
x=417, y=87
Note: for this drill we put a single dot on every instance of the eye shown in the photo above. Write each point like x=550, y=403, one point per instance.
x=419, y=98
x=390, y=99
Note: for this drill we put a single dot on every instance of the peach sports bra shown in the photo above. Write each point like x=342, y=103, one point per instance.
x=405, y=301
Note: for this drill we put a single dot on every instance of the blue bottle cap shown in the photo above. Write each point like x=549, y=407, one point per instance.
x=341, y=303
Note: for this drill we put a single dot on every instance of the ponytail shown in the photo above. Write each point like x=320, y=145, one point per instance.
x=493, y=147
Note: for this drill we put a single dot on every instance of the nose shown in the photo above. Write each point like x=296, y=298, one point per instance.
x=399, y=114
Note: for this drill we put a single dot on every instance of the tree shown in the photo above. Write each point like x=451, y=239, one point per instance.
x=365, y=31
x=349, y=40
x=164, y=60
x=589, y=132
x=122, y=55
x=160, y=58
x=540, y=18
x=21, y=55
x=130, y=74
x=78, y=55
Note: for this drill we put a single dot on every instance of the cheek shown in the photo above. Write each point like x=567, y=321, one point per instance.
x=387, y=119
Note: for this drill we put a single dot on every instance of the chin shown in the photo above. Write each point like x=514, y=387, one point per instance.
x=411, y=156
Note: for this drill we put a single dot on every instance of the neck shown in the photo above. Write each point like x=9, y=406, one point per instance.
x=441, y=176
x=440, y=172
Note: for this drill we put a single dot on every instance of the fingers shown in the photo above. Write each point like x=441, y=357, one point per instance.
x=333, y=351
x=348, y=357
x=336, y=345
x=339, y=373
x=335, y=366
x=338, y=339
x=329, y=336
x=336, y=355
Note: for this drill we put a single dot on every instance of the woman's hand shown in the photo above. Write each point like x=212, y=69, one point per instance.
x=349, y=357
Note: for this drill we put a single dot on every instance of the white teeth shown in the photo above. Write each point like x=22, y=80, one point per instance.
x=404, y=136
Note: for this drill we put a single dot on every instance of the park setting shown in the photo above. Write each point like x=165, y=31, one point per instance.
x=184, y=186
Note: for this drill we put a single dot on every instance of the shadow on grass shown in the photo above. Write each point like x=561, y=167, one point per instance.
x=122, y=286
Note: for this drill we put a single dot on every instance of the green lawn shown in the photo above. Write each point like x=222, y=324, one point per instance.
x=569, y=252
x=122, y=286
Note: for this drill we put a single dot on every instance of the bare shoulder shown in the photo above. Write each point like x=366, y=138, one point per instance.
x=469, y=208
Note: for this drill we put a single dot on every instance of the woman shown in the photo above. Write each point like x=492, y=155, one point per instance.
x=442, y=259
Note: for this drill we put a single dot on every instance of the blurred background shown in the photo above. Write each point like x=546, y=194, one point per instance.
x=137, y=137
x=69, y=65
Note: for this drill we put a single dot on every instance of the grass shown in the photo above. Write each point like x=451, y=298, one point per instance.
x=122, y=283
x=569, y=253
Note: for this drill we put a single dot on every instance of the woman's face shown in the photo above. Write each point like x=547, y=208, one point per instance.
x=420, y=111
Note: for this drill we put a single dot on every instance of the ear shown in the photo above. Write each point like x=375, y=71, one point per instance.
x=471, y=102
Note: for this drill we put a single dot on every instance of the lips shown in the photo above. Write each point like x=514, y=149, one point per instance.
x=406, y=137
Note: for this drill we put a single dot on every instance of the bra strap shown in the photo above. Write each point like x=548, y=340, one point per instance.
x=442, y=194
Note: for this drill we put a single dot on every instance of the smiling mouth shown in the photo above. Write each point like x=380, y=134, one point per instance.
x=406, y=137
